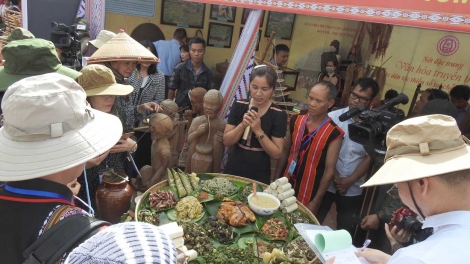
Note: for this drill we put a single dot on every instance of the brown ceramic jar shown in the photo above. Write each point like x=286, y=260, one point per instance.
x=113, y=199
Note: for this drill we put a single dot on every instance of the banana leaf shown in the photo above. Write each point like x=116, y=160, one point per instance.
x=196, y=193
x=212, y=207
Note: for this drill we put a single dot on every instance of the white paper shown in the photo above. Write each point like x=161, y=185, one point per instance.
x=343, y=256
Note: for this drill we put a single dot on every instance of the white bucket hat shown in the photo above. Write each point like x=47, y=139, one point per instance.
x=422, y=147
x=49, y=128
x=103, y=37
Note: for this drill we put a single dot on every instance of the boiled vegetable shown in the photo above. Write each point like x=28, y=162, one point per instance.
x=185, y=181
x=171, y=179
x=179, y=186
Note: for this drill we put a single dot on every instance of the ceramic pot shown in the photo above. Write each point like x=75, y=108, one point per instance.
x=113, y=198
x=201, y=161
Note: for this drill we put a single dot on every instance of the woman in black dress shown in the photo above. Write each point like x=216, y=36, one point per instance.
x=252, y=159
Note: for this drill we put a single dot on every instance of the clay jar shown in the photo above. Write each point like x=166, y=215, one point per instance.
x=113, y=199
x=201, y=161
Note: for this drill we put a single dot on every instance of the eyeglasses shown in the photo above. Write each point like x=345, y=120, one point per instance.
x=361, y=99
x=393, y=192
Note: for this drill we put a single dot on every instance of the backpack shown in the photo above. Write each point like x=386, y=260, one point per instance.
x=62, y=238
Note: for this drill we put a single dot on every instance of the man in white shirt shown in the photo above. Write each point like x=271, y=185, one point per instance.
x=352, y=164
x=428, y=160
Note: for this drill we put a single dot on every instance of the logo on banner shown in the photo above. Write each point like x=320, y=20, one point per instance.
x=448, y=45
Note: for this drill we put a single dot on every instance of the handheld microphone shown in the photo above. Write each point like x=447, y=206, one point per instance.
x=248, y=129
x=351, y=113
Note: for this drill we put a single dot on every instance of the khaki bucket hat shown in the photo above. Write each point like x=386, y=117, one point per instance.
x=103, y=37
x=98, y=79
x=422, y=147
x=30, y=57
x=48, y=128
x=123, y=48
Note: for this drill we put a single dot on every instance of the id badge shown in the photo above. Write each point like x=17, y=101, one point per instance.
x=292, y=166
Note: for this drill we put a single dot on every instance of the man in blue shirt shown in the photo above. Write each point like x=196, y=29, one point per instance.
x=353, y=162
x=169, y=54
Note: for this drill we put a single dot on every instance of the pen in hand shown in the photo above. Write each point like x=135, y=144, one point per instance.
x=366, y=244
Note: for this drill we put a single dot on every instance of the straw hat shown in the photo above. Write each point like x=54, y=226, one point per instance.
x=122, y=48
x=98, y=79
x=30, y=57
x=422, y=147
x=49, y=128
x=103, y=37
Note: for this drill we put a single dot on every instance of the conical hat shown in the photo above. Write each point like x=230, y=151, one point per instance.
x=122, y=48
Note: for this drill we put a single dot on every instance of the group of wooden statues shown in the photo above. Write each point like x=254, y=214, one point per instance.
x=195, y=144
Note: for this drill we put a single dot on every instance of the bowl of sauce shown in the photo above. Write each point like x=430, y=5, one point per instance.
x=263, y=203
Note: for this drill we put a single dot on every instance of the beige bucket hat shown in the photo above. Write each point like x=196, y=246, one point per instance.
x=48, y=128
x=123, y=48
x=98, y=79
x=103, y=37
x=422, y=147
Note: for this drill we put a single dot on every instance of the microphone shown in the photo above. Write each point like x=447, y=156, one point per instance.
x=248, y=129
x=351, y=113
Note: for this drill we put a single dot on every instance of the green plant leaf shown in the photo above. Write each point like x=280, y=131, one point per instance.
x=204, y=176
x=196, y=193
x=212, y=207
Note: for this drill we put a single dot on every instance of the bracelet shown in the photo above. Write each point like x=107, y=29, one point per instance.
x=134, y=149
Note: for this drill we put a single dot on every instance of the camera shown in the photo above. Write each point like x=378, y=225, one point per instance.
x=371, y=131
x=67, y=39
x=404, y=218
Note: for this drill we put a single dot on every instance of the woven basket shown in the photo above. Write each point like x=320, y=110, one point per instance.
x=123, y=48
x=230, y=178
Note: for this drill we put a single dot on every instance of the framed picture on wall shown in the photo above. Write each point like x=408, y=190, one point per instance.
x=182, y=13
x=223, y=13
x=220, y=35
x=281, y=23
x=259, y=37
x=246, y=12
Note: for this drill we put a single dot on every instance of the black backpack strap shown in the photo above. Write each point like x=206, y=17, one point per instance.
x=62, y=238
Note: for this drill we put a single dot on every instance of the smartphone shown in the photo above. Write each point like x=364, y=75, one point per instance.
x=127, y=135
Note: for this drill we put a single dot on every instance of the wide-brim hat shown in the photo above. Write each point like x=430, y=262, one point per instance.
x=98, y=79
x=422, y=147
x=103, y=37
x=30, y=57
x=129, y=242
x=122, y=48
x=48, y=128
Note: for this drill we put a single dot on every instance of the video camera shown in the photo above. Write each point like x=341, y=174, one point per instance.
x=372, y=130
x=67, y=38
x=404, y=218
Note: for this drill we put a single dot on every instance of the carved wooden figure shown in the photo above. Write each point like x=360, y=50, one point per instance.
x=196, y=96
x=205, y=137
x=169, y=108
x=161, y=127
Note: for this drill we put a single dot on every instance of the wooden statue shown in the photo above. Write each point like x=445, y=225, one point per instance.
x=161, y=127
x=205, y=137
x=169, y=108
x=196, y=96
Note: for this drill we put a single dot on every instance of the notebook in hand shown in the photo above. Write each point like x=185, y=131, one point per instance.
x=327, y=243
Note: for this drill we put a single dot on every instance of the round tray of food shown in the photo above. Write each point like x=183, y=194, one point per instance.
x=224, y=222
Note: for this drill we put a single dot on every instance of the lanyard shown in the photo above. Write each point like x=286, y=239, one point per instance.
x=36, y=193
x=311, y=134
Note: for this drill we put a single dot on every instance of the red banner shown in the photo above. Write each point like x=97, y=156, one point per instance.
x=450, y=15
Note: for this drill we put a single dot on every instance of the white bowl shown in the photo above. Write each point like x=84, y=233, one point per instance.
x=264, y=211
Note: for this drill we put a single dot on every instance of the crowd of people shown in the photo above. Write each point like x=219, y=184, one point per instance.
x=71, y=132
